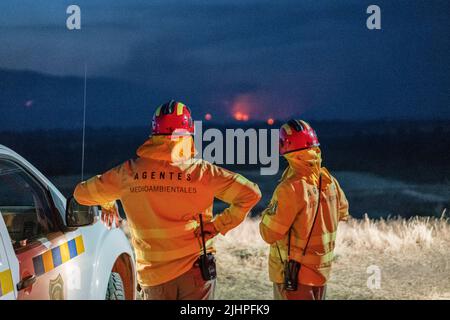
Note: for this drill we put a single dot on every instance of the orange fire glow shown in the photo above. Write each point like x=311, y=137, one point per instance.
x=240, y=116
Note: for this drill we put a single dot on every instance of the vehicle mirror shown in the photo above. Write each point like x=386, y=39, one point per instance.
x=78, y=215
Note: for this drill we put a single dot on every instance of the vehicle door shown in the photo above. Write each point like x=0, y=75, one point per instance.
x=50, y=261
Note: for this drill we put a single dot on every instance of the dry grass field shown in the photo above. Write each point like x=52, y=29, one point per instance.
x=412, y=255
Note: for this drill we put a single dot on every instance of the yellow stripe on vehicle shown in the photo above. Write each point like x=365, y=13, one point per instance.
x=55, y=256
x=47, y=258
x=65, y=256
x=80, y=244
x=6, y=282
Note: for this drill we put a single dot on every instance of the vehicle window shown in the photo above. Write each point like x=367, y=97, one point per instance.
x=59, y=204
x=23, y=205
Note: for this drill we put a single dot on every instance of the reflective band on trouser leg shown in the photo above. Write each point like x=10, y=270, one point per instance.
x=165, y=233
x=322, y=239
x=150, y=255
x=273, y=225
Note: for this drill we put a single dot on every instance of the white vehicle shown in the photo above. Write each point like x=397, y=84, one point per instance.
x=53, y=249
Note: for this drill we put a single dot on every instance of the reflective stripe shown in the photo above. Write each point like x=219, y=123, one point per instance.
x=296, y=254
x=65, y=255
x=150, y=255
x=79, y=244
x=247, y=183
x=287, y=129
x=232, y=193
x=306, y=125
x=315, y=259
x=158, y=111
x=58, y=255
x=93, y=191
x=180, y=107
x=47, y=258
x=273, y=225
x=6, y=282
x=322, y=239
x=165, y=233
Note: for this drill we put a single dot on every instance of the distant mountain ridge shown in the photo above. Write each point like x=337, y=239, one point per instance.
x=35, y=101
x=31, y=100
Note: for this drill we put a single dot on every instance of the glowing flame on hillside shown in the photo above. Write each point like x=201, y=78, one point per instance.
x=242, y=107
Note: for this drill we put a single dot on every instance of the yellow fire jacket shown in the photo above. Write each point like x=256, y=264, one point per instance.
x=163, y=192
x=293, y=206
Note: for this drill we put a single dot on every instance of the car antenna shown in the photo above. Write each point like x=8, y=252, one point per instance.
x=84, y=123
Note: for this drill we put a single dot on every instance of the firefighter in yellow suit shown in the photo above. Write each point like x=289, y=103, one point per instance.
x=163, y=192
x=294, y=216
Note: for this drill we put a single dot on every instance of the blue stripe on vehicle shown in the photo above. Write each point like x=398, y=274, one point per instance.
x=56, y=253
x=38, y=265
x=72, y=248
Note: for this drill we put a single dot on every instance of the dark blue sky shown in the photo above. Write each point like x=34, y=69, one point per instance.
x=313, y=59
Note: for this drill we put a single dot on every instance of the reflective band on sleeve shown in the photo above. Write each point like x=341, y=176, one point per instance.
x=6, y=282
x=165, y=233
x=273, y=225
x=93, y=191
x=247, y=183
x=150, y=255
x=231, y=193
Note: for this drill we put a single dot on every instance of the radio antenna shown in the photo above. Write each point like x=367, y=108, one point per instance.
x=84, y=123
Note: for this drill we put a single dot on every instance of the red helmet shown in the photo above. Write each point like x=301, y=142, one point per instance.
x=172, y=117
x=297, y=135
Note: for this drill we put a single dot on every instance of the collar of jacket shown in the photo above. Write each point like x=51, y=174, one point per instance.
x=175, y=149
x=305, y=164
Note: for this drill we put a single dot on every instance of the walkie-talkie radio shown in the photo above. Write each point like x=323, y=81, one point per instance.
x=292, y=267
x=207, y=261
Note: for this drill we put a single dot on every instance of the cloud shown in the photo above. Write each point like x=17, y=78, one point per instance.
x=313, y=58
